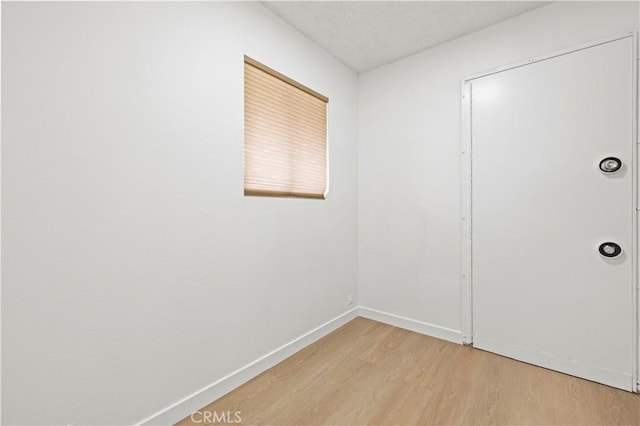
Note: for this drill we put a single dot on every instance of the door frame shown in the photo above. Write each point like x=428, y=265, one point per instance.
x=466, y=202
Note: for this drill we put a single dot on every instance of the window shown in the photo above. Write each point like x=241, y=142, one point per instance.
x=285, y=135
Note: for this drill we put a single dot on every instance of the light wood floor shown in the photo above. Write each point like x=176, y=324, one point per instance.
x=368, y=373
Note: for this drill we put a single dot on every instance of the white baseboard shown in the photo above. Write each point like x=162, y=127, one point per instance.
x=454, y=336
x=219, y=388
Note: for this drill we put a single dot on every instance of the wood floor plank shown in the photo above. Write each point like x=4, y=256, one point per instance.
x=368, y=373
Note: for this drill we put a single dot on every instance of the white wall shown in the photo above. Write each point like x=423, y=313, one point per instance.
x=409, y=162
x=135, y=272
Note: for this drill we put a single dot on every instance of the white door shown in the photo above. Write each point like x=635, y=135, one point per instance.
x=541, y=207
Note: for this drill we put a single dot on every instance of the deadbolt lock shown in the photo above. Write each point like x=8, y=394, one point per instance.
x=610, y=249
x=610, y=165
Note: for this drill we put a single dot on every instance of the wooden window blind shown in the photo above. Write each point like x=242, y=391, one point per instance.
x=285, y=135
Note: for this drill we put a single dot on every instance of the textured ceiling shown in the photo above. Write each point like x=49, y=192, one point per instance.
x=365, y=35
